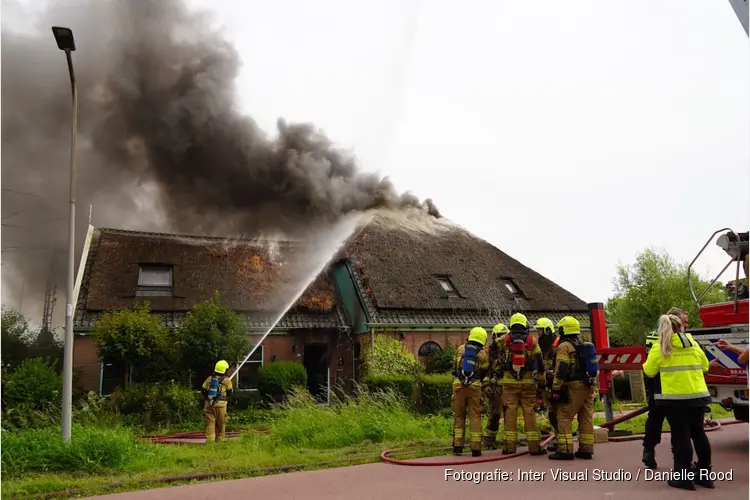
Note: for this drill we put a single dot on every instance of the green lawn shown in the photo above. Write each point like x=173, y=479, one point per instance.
x=38, y=462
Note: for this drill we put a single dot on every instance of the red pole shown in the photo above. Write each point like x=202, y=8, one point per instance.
x=600, y=338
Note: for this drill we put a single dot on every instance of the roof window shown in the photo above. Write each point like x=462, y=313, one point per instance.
x=154, y=281
x=448, y=287
x=510, y=286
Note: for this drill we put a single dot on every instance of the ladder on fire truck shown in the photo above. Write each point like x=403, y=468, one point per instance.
x=728, y=319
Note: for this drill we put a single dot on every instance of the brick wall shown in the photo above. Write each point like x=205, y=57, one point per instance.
x=86, y=363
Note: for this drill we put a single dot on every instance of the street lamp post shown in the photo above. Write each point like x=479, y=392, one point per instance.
x=66, y=43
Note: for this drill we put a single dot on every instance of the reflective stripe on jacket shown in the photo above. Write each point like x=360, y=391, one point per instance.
x=680, y=381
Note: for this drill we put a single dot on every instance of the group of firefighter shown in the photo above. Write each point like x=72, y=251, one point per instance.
x=554, y=372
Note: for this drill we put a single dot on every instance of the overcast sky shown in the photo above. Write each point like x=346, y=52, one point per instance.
x=569, y=134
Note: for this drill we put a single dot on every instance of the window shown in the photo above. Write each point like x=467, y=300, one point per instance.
x=429, y=348
x=247, y=378
x=154, y=281
x=112, y=376
x=510, y=286
x=448, y=287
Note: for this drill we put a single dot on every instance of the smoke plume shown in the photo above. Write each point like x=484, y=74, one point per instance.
x=162, y=145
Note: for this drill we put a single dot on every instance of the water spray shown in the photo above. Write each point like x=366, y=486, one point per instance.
x=347, y=233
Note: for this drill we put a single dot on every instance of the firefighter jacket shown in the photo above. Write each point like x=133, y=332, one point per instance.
x=534, y=369
x=567, y=367
x=680, y=382
x=483, y=366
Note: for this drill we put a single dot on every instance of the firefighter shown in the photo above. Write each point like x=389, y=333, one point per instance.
x=655, y=420
x=523, y=383
x=470, y=366
x=573, y=394
x=682, y=392
x=492, y=390
x=548, y=339
x=216, y=390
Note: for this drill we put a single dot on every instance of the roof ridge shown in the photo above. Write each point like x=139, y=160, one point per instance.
x=154, y=234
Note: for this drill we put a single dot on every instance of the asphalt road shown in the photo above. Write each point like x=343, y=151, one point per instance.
x=393, y=482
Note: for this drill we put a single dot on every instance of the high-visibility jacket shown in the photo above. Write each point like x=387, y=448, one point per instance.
x=651, y=339
x=680, y=381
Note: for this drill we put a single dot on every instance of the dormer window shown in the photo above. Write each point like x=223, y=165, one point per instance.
x=154, y=281
x=448, y=287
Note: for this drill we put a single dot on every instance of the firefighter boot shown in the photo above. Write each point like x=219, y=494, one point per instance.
x=476, y=453
x=489, y=443
x=552, y=447
x=703, y=476
x=683, y=484
x=458, y=450
x=561, y=456
x=586, y=455
x=649, y=458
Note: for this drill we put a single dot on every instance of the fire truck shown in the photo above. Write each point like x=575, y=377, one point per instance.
x=727, y=378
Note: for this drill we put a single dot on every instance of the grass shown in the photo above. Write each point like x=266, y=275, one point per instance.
x=36, y=461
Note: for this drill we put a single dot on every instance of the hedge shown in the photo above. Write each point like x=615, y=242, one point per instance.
x=276, y=379
x=436, y=392
x=622, y=388
x=402, y=385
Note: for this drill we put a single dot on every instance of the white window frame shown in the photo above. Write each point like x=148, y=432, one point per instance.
x=510, y=286
x=447, y=286
x=154, y=269
x=262, y=362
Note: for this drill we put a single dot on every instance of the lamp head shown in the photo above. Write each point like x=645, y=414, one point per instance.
x=64, y=38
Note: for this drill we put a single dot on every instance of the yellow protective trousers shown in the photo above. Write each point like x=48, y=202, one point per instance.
x=493, y=394
x=580, y=405
x=467, y=398
x=216, y=418
x=523, y=395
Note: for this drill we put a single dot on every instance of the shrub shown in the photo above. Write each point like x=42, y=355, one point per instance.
x=436, y=392
x=390, y=357
x=622, y=388
x=91, y=450
x=441, y=361
x=35, y=384
x=275, y=380
x=242, y=400
x=156, y=404
x=401, y=385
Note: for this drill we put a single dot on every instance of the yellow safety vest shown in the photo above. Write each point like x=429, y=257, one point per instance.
x=681, y=381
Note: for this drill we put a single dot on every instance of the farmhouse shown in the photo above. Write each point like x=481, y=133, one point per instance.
x=425, y=282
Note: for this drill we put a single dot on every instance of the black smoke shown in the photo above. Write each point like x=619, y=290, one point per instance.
x=162, y=145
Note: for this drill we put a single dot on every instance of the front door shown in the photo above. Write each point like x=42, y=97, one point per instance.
x=317, y=364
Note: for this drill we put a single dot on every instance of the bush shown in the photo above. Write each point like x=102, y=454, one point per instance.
x=436, y=392
x=34, y=385
x=242, y=400
x=442, y=360
x=401, y=385
x=153, y=405
x=622, y=388
x=390, y=357
x=275, y=380
x=91, y=450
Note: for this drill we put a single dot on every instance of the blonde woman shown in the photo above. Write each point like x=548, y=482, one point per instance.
x=681, y=391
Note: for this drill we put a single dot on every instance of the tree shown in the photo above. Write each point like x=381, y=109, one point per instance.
x=137, y=339
x=19, y=342
x=16, y=341
x=647, y=289
x=210, y=332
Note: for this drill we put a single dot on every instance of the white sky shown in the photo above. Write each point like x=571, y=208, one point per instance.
x=569, y=134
